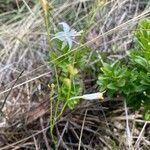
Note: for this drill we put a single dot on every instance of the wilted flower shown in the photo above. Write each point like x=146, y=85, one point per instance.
x=67, y=35
x=93, y=96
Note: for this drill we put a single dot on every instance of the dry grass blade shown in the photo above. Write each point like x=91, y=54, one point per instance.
x=60, y=141
x=10, y=91
x=136, y=146
x=44, y=135
x=28, y=81
x=23, y=140
x=24, y=46
x=79, y=146
x=129, y=135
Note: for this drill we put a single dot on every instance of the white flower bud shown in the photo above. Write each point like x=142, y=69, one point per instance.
x=92, y=96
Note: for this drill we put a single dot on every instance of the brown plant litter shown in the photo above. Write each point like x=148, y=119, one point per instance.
x=24, y=120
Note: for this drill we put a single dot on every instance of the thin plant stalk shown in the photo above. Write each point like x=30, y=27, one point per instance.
x=64, y=106
x=58, y=88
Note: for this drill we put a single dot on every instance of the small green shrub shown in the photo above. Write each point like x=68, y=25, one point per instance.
x=131, y=80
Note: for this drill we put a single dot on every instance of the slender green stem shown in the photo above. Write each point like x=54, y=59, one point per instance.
x=64, y=106
x=58, y=88
x=62, y=110
x=51, y=117
x=46, y=19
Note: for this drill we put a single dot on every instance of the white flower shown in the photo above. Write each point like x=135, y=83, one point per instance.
x=67, y=35
x=92, y=96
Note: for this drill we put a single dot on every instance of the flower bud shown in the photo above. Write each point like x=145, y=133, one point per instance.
x=52, y=85
x=67, y=82
x=72, y=71
x=93, y=96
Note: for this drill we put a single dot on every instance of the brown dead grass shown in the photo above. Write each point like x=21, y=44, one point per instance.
x=23, y=46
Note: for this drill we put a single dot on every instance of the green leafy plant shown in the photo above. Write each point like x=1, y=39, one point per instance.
x=66, y=76
x=67, y=68
x=131, y=80
x=69, y=60
x=64, y=63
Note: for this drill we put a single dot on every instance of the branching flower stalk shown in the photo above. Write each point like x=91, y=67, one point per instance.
x=67, y=69
x=51, y=88
x=64, y=74
x=45, y=7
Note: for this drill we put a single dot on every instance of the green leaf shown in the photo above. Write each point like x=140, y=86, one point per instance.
x=132, y=80
x=112, y=86
x=106, y=69
x=141, y=61
x=147, y=115
x=140, y=88
x=121, y=82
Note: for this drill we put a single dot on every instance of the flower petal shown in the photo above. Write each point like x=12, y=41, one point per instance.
x=69, y=41
x=72, y=33
x=60, y=36
x=66, y=27
x=93, y=96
